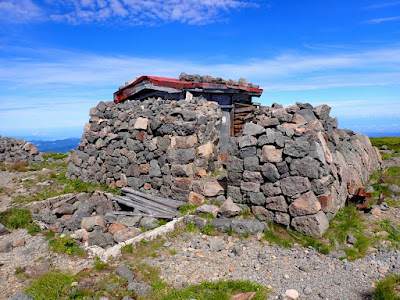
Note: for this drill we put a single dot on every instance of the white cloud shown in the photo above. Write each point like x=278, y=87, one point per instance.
x=284, y=72
x=382, y=20
x=19, y=11
x=149, y=11
x=382, y=5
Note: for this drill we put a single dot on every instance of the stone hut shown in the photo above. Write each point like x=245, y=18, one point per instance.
x=200, y=137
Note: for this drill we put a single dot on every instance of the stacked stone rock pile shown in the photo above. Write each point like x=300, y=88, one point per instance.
x=89, y=218
x=17, y=150
x=294, y=167
x=208, y=79
x=289, y=165
x=155, y=145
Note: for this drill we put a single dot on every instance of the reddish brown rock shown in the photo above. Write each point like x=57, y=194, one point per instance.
x=182, y=183
x=144, y=168
x=306, y=204
x=115, y=227
x=271, y=154
x=196, y=199
x=205, y=150
x=212, y=188
x=147, y=186
x=326, y=202
x=126, y=234
x=141, y=136
x=141, y=123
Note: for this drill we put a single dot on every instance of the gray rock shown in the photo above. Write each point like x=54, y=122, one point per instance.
x=149, y=223
x=251, y=163
x=282, y=218
x=125, y=272
x=247, y=152
x=235, y=164
x=384, y=206
x=270, y=172
x=253, y=129
x=296, y=148
x=85, y=209
x=198, y=221
x=307, y=167
x=101, y=239
x=247, y=141
x=181, y=156
x=155, y=170
x=207, y=209
x=126, y=234
x=129, y=221
x=222, y=225
x=140, y=289
x=237, y=250
x=235, y=194
x=215, y=245
x=270, y=189
x=89, y=223
x=312, y=225
x=3, y=230
x=394, y=189
x=5, y=246
x=262, y=214
x=277, y=203
x=295, y=185
x=337, y=254
x=308, y=114
x=248, y=226
x=256, y=198
x=167, y=244
x=228, y=209
x=252, y=176
x=351, y=239
x=21, y=296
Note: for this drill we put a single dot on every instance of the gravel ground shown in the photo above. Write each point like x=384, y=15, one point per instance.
x=313, y=275
x=35, y=256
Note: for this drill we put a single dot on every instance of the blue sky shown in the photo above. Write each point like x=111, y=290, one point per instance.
x=59, y=58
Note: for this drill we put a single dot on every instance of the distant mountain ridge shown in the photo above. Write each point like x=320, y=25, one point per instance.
x=56, y=146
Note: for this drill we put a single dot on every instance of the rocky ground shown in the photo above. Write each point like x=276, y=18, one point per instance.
x=191, y=258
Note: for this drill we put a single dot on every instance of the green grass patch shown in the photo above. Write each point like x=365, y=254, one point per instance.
x=221, y=290
x=127, y=249
x=347, y=222
x=187, y=208
x=17, y=218
x=33, y=229
x=52, y=286
x=54, y=155
x=208, y=229
x=190, y=227
x=246, y=213
x=388, y=288
x=66, y=245
x=99, y=265
x=392, y=143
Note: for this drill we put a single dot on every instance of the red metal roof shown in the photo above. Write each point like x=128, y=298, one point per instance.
x=129, y=90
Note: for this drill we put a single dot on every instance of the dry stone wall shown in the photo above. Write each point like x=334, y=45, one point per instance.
x=154, y=145
x=17, y=150
x=294, y=167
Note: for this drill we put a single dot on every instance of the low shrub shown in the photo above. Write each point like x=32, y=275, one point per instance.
x=388, y=288
x=52, y=286
x=17, y=218
x=65, y=245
